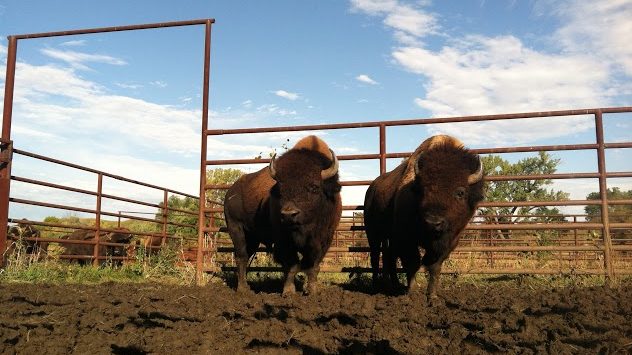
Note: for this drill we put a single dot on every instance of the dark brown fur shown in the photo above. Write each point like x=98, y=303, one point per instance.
x=404, y=211
x=119, y=236
x=253, y=209
x=24, y=229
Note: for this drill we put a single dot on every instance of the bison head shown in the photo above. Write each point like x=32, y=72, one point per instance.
x=449, y=180
x=305, y=180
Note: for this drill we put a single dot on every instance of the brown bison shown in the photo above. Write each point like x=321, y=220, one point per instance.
x=426, y=201
x=119, y=236
x=293, y=207
x=23, y=229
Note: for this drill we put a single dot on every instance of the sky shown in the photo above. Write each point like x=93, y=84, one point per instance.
x=129, y=103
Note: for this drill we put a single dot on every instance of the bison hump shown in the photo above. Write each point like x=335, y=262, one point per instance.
x=314, y=143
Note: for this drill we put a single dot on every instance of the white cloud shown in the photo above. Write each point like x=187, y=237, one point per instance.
x=608, y=36
x=366, y=79
x=77, y=43
x=158, y=83
x=481, y=75
x=77, y=59
x=408, y=21
x=286, y=95
x=129, y=86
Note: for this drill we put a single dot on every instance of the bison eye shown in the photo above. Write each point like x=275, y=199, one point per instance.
x=313, y=188
x=460, y=193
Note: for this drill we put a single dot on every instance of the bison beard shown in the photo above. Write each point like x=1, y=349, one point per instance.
x=292, y=207
x=426, y=201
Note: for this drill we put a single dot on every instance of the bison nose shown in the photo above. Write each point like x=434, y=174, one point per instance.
x=436, y=222
x=290, y=214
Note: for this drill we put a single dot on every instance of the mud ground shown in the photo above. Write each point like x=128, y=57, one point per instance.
x=346, y=319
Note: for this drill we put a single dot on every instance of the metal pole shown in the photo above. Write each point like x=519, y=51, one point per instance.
x=382, y=149
x=603, y=195
x=5, y=168
x=97, y=222
x=165, y=211
x=202, y=204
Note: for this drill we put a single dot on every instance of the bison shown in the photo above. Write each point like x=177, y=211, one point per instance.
x=119, y=236
x=426, y=201
x=293, y=207
x=22, y=230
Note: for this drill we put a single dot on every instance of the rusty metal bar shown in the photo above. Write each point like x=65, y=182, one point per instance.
x=105, y=174
x=5, y=169
x=97, y=223
x=165, y=211
x=421, y=121
x=382, y=149
x=359, y=269
x=115, y=29
x=203, y=152
x=603, y=195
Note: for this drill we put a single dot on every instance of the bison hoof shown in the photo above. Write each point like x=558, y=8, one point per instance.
x=434, y=300
x=310, y=290
x=243, y=289
x=288, y=290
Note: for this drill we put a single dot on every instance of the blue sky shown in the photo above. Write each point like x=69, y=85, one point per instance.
x=129, y=103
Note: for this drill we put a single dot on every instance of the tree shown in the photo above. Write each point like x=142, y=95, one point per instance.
x=521, y=191
x=214, y=198
x=616, y=213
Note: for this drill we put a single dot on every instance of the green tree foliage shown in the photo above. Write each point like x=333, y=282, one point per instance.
x=521, y=190
x=214, y=198
x=616, y=213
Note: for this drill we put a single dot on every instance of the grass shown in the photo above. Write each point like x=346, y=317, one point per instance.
x=162, y=267
x=166, y=267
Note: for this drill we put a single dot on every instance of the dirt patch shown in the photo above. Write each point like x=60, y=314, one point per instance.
x=163, y=319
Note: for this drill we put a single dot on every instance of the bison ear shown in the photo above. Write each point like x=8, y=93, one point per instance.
x=331, y=187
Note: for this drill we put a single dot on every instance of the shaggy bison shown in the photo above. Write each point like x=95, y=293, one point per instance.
x=292, y=207
x=24, y=229
x=119, y=236
x=426, y=201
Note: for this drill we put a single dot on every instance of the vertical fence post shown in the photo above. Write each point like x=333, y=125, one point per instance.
x=382, y=149
x=202, y=205
x=165, y=211
x=5, y=168
x=603, y=195
x=97, y=221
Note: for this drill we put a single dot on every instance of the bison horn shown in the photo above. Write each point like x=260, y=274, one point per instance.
x=271, y=166
x=332, y=170
x=416, y=165
x=478, y=175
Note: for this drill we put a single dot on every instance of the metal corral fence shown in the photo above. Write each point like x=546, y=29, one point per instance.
x=524, y=252
x=577, y=247
x=162, y=209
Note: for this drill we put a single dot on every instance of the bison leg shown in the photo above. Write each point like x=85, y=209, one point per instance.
x=290, y=273
x=376, y=248
x=411, y=262
x=434, y=272
x=242, y=255
x=312, y=279
x=389, y=266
